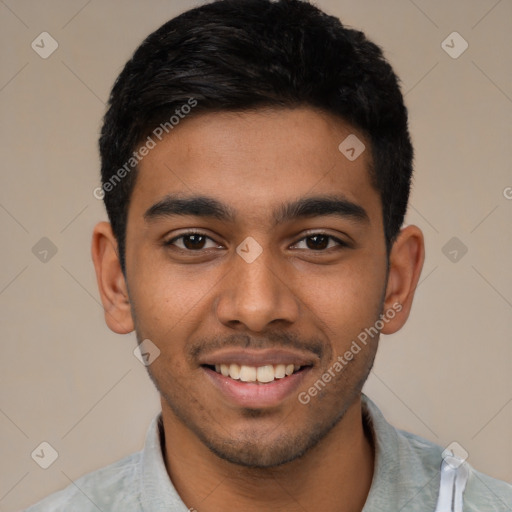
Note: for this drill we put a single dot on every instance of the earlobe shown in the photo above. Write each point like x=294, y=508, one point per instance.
x=405, y=265
x=111, y=280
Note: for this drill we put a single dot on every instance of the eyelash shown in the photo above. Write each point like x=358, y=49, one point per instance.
x=340, y=243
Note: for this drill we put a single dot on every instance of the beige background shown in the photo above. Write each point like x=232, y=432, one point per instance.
x=67, y=380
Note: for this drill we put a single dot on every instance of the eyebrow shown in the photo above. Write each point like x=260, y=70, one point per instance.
x=307, y=207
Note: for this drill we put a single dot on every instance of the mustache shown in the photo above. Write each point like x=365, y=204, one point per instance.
x=275, y=340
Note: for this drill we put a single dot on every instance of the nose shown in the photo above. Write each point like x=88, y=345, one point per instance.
x=256, y=294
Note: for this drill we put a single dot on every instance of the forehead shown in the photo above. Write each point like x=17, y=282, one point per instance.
x=255, y=161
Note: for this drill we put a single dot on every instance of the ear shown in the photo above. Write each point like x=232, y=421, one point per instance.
x=405, y=264
x=111, y=281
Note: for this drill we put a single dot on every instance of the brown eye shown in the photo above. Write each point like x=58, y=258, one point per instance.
x=320, y=242
x=192, y=242
x=317, y=242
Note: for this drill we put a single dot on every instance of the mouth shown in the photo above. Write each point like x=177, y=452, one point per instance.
x=257, y=379
x=259, y=374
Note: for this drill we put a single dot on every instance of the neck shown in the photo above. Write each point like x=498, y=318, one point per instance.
x=334, y=476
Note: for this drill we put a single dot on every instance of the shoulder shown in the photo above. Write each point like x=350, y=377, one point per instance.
x=408, y=472
x=99, y=489
x=482, y=492
x=486, y=493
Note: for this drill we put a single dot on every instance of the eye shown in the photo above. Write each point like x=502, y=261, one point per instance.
x=195, y=241
x=192, y=241
x=321, y=242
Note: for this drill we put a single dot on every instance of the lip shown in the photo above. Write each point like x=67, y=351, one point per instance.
x=256, y=395
x=257, y=358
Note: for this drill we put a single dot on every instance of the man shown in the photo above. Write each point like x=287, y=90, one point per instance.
x=256, y=166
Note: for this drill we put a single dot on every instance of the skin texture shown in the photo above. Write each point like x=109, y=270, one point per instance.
x=313, y=296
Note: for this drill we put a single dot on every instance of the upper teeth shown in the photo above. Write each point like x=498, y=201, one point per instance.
x=265, y=373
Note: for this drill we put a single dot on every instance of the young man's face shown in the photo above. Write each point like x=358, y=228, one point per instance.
x=251, y=289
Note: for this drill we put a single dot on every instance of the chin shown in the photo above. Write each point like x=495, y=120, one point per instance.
x=255, y=454
x=264, y=450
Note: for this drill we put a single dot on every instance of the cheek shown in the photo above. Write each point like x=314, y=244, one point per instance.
x=346, y=299
x=168, y=300
x=171, y=301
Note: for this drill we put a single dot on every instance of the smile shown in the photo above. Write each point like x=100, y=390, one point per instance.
x=261, y=374
x=257, y=378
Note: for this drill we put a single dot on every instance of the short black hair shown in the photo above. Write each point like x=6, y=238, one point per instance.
x=241, y=55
